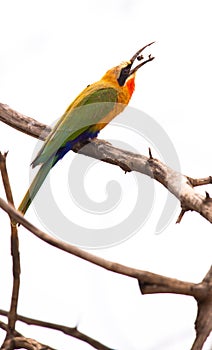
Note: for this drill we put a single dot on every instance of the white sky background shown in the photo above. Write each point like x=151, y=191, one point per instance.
x=51, y=50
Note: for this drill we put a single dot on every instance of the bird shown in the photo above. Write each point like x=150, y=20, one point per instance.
x=85, y=117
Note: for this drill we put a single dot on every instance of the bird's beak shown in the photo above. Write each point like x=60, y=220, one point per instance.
x=140, y=57
x=127, y=71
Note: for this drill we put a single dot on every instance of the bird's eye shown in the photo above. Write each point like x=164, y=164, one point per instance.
x=124, y=75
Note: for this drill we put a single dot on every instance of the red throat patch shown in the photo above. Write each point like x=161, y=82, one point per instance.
x=131, y=85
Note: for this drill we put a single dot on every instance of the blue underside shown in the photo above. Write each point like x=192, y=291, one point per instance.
x=69, y=144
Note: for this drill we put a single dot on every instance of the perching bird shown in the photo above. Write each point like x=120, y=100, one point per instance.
x=91, y=111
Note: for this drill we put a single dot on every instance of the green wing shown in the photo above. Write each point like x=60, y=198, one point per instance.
x=80, y=115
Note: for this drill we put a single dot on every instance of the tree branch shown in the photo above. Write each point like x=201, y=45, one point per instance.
x=148, y=282
x=181, y=186
x=14, y=251
x=71, y=331
x=147, y=277
x=18, y=341
x=203, y=323
x=24, y=343
x=14, y=340
x=22, y=123
x=160, y=284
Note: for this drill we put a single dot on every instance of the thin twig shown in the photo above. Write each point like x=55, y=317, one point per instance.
x=5, y=178
x=14, y=250
x=200, y=182
x=183, y=211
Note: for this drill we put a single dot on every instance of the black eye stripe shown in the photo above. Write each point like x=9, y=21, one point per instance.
x=124, y=75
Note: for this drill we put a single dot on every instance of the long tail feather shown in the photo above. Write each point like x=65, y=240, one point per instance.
x=35, y=186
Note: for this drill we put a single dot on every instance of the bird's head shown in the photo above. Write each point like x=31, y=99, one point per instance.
x=125, y=72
